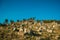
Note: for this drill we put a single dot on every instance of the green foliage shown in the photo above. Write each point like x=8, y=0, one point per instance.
x=48, y=21
x=58, y=21
x=11, y=21
x=6, y=20
x=17, y=20
x=38, y=20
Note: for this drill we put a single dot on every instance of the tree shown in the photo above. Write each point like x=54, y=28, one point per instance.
x=24, y=19
x=58, y=21
x=6, y=21
x=48, y=21
x=0, y=24
x=11, y=21
x=17, y=20
x=38, y=20
x=33, y=18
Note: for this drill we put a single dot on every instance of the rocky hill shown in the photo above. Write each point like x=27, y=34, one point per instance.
x=30, y=29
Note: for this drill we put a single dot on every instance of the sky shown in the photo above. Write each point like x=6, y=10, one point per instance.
x=23, y=9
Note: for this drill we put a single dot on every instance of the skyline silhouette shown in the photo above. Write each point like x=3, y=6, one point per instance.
x=21, y=9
